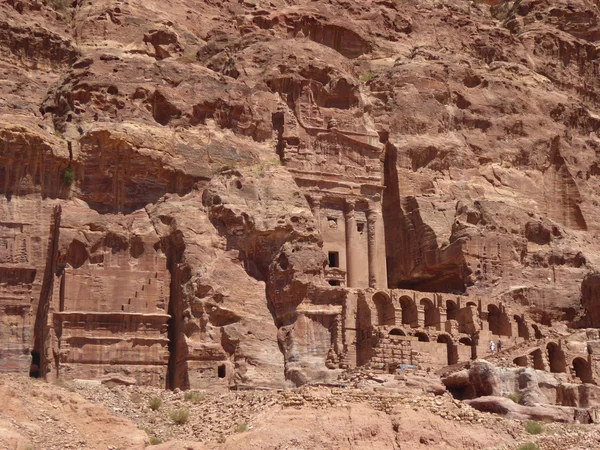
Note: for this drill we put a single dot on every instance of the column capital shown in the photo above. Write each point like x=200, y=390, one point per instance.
x=350, y=207
x=315, y=200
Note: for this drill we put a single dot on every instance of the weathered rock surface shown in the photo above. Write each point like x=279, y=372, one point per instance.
x=505, y=406
x=251, y=193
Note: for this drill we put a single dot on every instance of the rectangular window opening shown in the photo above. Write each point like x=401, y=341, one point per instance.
x=334, y=282
x=334, y=259
x=360, y=227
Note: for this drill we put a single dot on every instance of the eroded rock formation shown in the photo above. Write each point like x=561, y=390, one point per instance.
x=251, y=194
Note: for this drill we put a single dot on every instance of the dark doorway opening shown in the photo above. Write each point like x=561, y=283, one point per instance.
x=334, y=259
x=34, y=369
x=422, y=337
x=221, y=372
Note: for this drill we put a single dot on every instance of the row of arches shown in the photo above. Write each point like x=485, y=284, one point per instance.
x=499, y=322
x=452, y=353
x=386, y=313
x=557, y=362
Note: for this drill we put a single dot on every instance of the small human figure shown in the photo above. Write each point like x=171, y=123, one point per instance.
x=499, y=345
x=492, y=346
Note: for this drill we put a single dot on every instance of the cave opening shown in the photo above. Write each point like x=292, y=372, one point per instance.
x=582, y=370
x=34, y=369
x=556, y=358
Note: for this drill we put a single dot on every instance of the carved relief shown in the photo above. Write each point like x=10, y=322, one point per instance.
x=14, y=243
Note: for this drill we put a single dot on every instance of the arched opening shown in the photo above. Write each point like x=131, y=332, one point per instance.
x=556, y=358
x=538, y=359
x=538, y=333
x=472, y=304
x=409, y=312
x=450, y=348
x=521, y=361
x=397, y=332
x=451, y=310
x=583, y=370
x=432, y=314
x=386, y=315
x=422, y=337
x=498, y=322
x=523, y=331
x=469, y=343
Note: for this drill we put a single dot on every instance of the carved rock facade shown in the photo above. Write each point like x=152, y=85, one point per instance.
x=250, y=195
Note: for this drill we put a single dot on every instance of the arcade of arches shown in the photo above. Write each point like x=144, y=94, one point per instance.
x=393, y=329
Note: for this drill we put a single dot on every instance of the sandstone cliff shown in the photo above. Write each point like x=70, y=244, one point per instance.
x=249, y=193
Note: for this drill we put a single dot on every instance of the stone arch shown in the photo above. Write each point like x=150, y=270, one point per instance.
x=473, y=304
x=432, y=314
x=422, y=336
x=469, y=343
x=451, y=310
x=397, y=332
x=521, y=361
x=538, y=333
x=582, y=369
x=386, y=315
x=556, y=358
x=538, y=359
x=450, y=348
x=409, y=311
x=498, y=322
x=523, y=331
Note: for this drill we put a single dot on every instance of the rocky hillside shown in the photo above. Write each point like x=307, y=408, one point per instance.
x=159, y=162
x=88, y=415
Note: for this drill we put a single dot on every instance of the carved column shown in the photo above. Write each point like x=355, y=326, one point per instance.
x=372, y=239
x=376, y=247
x=352, y=243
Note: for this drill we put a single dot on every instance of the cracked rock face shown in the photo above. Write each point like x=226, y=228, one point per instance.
x=163, y=169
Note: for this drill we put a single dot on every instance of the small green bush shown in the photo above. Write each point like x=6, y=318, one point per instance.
x=155, y=403
x=155, y=441
x=180, y=416
x=515, y=397
x=533, y=427
x=68, y=176
x=366, y=77
x=59, y=5
x=528, y=446
x=241, y=427
x=194, y=397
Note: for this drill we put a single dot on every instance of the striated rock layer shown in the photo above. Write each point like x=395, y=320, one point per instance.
x=249, y=194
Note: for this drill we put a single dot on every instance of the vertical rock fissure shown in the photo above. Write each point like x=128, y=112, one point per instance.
x=172, y=324
x=391, y=211
x=39, y=359
x=174, y=378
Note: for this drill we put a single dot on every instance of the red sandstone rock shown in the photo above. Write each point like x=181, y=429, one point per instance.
x=242, y=193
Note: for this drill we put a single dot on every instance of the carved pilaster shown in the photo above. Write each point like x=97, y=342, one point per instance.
x=372, y=246
x=315, y=203
x=352, y=256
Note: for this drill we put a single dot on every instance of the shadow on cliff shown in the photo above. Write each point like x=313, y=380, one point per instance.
x=414, y=260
